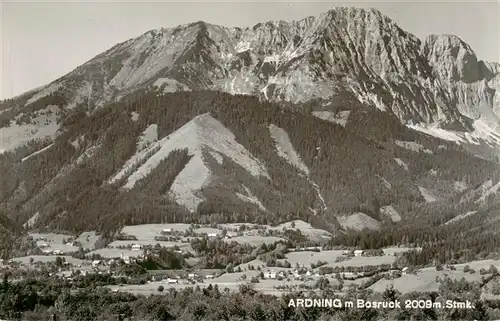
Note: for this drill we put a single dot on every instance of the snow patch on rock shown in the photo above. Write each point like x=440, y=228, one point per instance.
x=437, y=132
x=242, y=46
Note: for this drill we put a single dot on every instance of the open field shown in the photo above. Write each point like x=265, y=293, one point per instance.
x=359, y=261
x=116, y=244
x=54, y=241
x=208, y=230
x=110, y=253
x=149, y=231
x=236, y=277
x=480, y=264
x=51, y=237
x=235, y=227
x=264, y=286
x=305, y=228
x=253, y=229
x=255, y=240
x=425, y=280
x=48, y=258
x=398, y=250
x=308, y=257
x=152, y=287
x=88, y=240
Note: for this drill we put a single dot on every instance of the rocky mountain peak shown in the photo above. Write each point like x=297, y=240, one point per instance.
x=358, y=51
x=452, y=58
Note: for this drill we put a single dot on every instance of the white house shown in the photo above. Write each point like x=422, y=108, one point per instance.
x=346, y=252
x=209, y=276
x=167, y=230
x=192, y=276
x=172, y=281
x=212, y=234
x=270, y=275
x=125, y=259
x=308, y=273
x=96, y=263
x=57, y=252
x=405, y=270
x=349, y=275
x=358, y=252
x=136, y=247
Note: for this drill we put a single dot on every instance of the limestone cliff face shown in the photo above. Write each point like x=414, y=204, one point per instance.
x=472, y=84
x=435, y=81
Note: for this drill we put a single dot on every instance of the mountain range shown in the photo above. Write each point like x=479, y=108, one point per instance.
x=343, y=119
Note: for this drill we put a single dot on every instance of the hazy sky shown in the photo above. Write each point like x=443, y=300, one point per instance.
x=42, y=41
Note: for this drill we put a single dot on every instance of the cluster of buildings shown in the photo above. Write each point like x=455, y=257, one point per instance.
x=227, y=235
x=355, y=252
x=46, y=249
x=171, y=277
x=136, y=247
x=297, y=274
x=108, y=262
x=308, y=248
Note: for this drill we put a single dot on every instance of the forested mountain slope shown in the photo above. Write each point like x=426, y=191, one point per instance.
x=202, y=156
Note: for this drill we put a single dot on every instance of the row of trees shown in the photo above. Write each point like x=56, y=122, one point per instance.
x=40, y=299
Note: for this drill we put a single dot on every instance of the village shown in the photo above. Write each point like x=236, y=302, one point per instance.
x=301, y=267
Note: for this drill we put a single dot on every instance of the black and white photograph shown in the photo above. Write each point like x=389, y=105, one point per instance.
x=249, y=161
